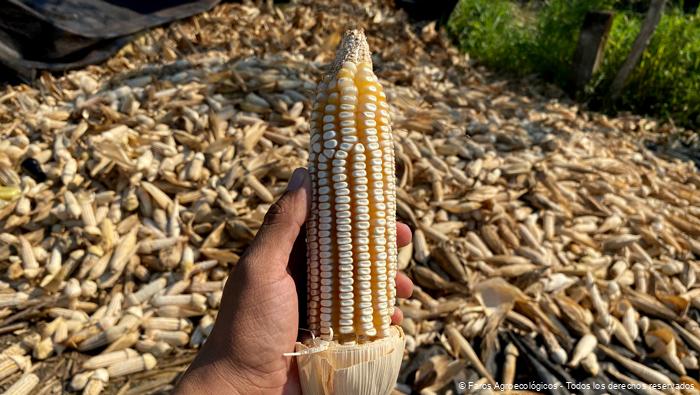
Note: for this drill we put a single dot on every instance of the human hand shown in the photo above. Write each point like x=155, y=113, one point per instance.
x=259, y=315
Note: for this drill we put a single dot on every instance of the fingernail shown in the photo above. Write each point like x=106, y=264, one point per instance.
x=297, y=180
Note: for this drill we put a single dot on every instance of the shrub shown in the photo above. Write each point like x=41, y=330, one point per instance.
x=541, y=37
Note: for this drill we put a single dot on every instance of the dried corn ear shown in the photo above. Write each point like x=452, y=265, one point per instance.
x=351, y=233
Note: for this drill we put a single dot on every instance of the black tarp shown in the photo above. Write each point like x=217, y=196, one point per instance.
x=62, y=34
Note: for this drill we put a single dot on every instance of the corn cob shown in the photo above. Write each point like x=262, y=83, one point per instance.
x=24, y=385
x=132, y=365
x=12, y=363
x=97, y=382
x=351, y=233
x=352, y=228
x=106, y=359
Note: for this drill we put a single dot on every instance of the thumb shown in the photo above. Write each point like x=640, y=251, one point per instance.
x=273, y=243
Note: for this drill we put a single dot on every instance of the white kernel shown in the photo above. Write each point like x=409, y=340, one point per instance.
x=345, y=329
x=359, y=165
x=344, y=82
x=346, y=146
x=359, y=173
x=366, y=107
x=362, y=242
x=349, y=91
x=350, y=66
x=368, y=97
x=359, y=188
x=346, y=302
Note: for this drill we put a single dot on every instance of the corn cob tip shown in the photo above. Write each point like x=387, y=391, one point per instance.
x=353, y=48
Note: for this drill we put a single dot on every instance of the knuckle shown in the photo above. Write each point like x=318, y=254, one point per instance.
x=276, y=212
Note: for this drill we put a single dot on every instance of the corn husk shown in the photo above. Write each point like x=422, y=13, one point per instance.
x=356, y=369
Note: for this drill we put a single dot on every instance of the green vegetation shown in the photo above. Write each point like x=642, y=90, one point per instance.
x=525, y=37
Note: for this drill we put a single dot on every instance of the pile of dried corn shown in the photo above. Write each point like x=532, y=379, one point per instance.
x=544, y=236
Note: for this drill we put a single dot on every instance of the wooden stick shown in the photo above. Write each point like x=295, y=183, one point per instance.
x=651, y=20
